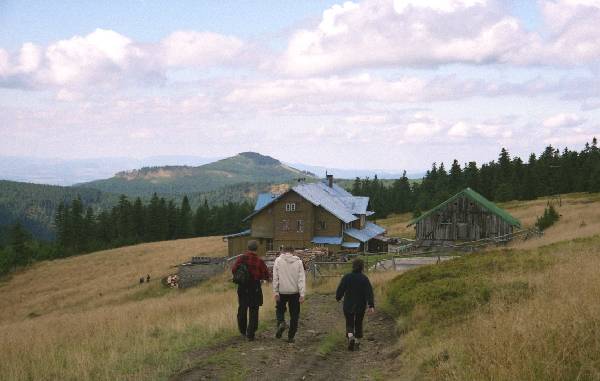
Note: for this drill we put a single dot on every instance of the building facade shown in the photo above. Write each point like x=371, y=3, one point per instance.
x=466, y=216
x=308, y=215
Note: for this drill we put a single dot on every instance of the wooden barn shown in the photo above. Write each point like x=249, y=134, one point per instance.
x=466, y=216
x=310, y=215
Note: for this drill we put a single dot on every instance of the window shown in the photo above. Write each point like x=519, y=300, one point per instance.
x=322, y=225
x=284, y=225
x=300, y=226
x=348, y=226
x=269, y=245
x=290, y=207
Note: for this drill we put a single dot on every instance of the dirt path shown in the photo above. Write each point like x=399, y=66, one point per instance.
x=319, y=352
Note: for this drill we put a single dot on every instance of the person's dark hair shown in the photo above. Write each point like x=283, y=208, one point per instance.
x=358, y=265
x=252, y=245
x=288, y=249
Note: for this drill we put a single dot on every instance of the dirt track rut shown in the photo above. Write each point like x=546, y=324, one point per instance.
x=268, y=358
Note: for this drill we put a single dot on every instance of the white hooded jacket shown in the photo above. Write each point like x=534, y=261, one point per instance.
x=288, y=275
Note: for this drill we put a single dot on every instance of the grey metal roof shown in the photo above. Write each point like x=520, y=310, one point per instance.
x=336, y=200
x=327, y=240
x=240, y=234
x=263, y=200
x=371, y=230
x=351, y=245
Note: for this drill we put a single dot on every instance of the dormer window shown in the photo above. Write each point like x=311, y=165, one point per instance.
x=290, y=207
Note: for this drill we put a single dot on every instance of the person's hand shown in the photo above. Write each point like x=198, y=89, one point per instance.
x=302, y=299
x=276, y=297
x=371, y=310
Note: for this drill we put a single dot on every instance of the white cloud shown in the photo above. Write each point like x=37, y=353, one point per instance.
x=415, y=33
x=190, y=48
x=437, y=5
x=459, y=129
x=563, y=120
x=378, y=33
x=105, y=58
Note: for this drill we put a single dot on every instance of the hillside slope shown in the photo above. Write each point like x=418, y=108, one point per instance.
x=88, y=318
x=247, y=167
x=35, y=205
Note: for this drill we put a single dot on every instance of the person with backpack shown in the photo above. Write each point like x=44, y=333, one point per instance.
x=248, y=271
x=288, y=286
x=357, y=292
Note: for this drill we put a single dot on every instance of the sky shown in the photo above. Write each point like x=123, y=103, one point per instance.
x=392, y=85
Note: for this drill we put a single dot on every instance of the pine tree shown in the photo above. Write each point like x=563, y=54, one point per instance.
x=185, y=224
x=18, y=238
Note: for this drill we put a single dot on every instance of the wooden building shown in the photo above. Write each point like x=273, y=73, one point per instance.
x=466, y=216
x=308, y=215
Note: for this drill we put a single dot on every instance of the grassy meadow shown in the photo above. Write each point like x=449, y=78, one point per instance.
x=529, y=311
x=88, y=318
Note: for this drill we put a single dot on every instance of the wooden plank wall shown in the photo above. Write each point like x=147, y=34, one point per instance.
x=461, y=220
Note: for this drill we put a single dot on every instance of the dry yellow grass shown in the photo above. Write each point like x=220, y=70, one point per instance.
x=580, y=217
x=552, y=335
x=87, y=318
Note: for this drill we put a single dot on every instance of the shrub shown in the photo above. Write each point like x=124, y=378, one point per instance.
x=548, y=219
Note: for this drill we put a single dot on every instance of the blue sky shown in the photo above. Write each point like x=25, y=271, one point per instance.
x=392, y=84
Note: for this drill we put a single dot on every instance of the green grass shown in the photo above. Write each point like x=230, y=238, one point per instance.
x=439, y=295
x=331, y=341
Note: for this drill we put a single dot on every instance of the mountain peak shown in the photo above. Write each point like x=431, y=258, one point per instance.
x=259, y=159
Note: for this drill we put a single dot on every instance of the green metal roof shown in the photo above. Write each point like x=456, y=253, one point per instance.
x=470, y=193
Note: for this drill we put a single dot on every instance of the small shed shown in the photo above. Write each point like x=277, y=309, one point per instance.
x=466, y=216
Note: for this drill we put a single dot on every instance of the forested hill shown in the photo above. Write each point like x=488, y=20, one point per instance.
x=35, y=205
x=246, y=167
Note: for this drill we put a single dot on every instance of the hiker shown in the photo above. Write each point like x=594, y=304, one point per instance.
x=248, y=270
x=148, y=278
x=141, y=280
x=357, y=292
x=288, y=286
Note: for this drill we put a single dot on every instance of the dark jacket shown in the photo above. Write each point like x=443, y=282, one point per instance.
x=250, y=294
x=357, y=292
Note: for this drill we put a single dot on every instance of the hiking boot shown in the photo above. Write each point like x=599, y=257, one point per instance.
x=250, y=338
x=351, y=343
x=291, y=340
x=280, y=329
x=356, y=344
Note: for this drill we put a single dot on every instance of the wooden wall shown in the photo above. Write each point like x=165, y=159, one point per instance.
x=461, y=220
x=262, y=223
x=333, y=226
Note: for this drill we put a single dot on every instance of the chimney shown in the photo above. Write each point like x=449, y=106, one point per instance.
x=329, y=180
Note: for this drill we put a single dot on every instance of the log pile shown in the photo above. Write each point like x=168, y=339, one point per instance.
x=308, y=256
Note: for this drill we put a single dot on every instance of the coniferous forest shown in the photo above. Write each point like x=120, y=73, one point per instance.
x=82, y=230
x=551, y=173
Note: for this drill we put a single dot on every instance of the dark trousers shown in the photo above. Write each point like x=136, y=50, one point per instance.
x=354, y=323
x=247, y=318
x=293, y=301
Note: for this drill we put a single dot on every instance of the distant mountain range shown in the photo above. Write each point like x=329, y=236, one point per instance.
x=246, y=167
x=235, y=179
x=67, y=172
x=351, y=174
x=54, y=171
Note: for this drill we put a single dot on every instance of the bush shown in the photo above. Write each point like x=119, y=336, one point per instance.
x=548, y=219
x=440, y=295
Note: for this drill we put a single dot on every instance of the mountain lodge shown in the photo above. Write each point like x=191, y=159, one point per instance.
x=308, y=215
x=466, y=216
